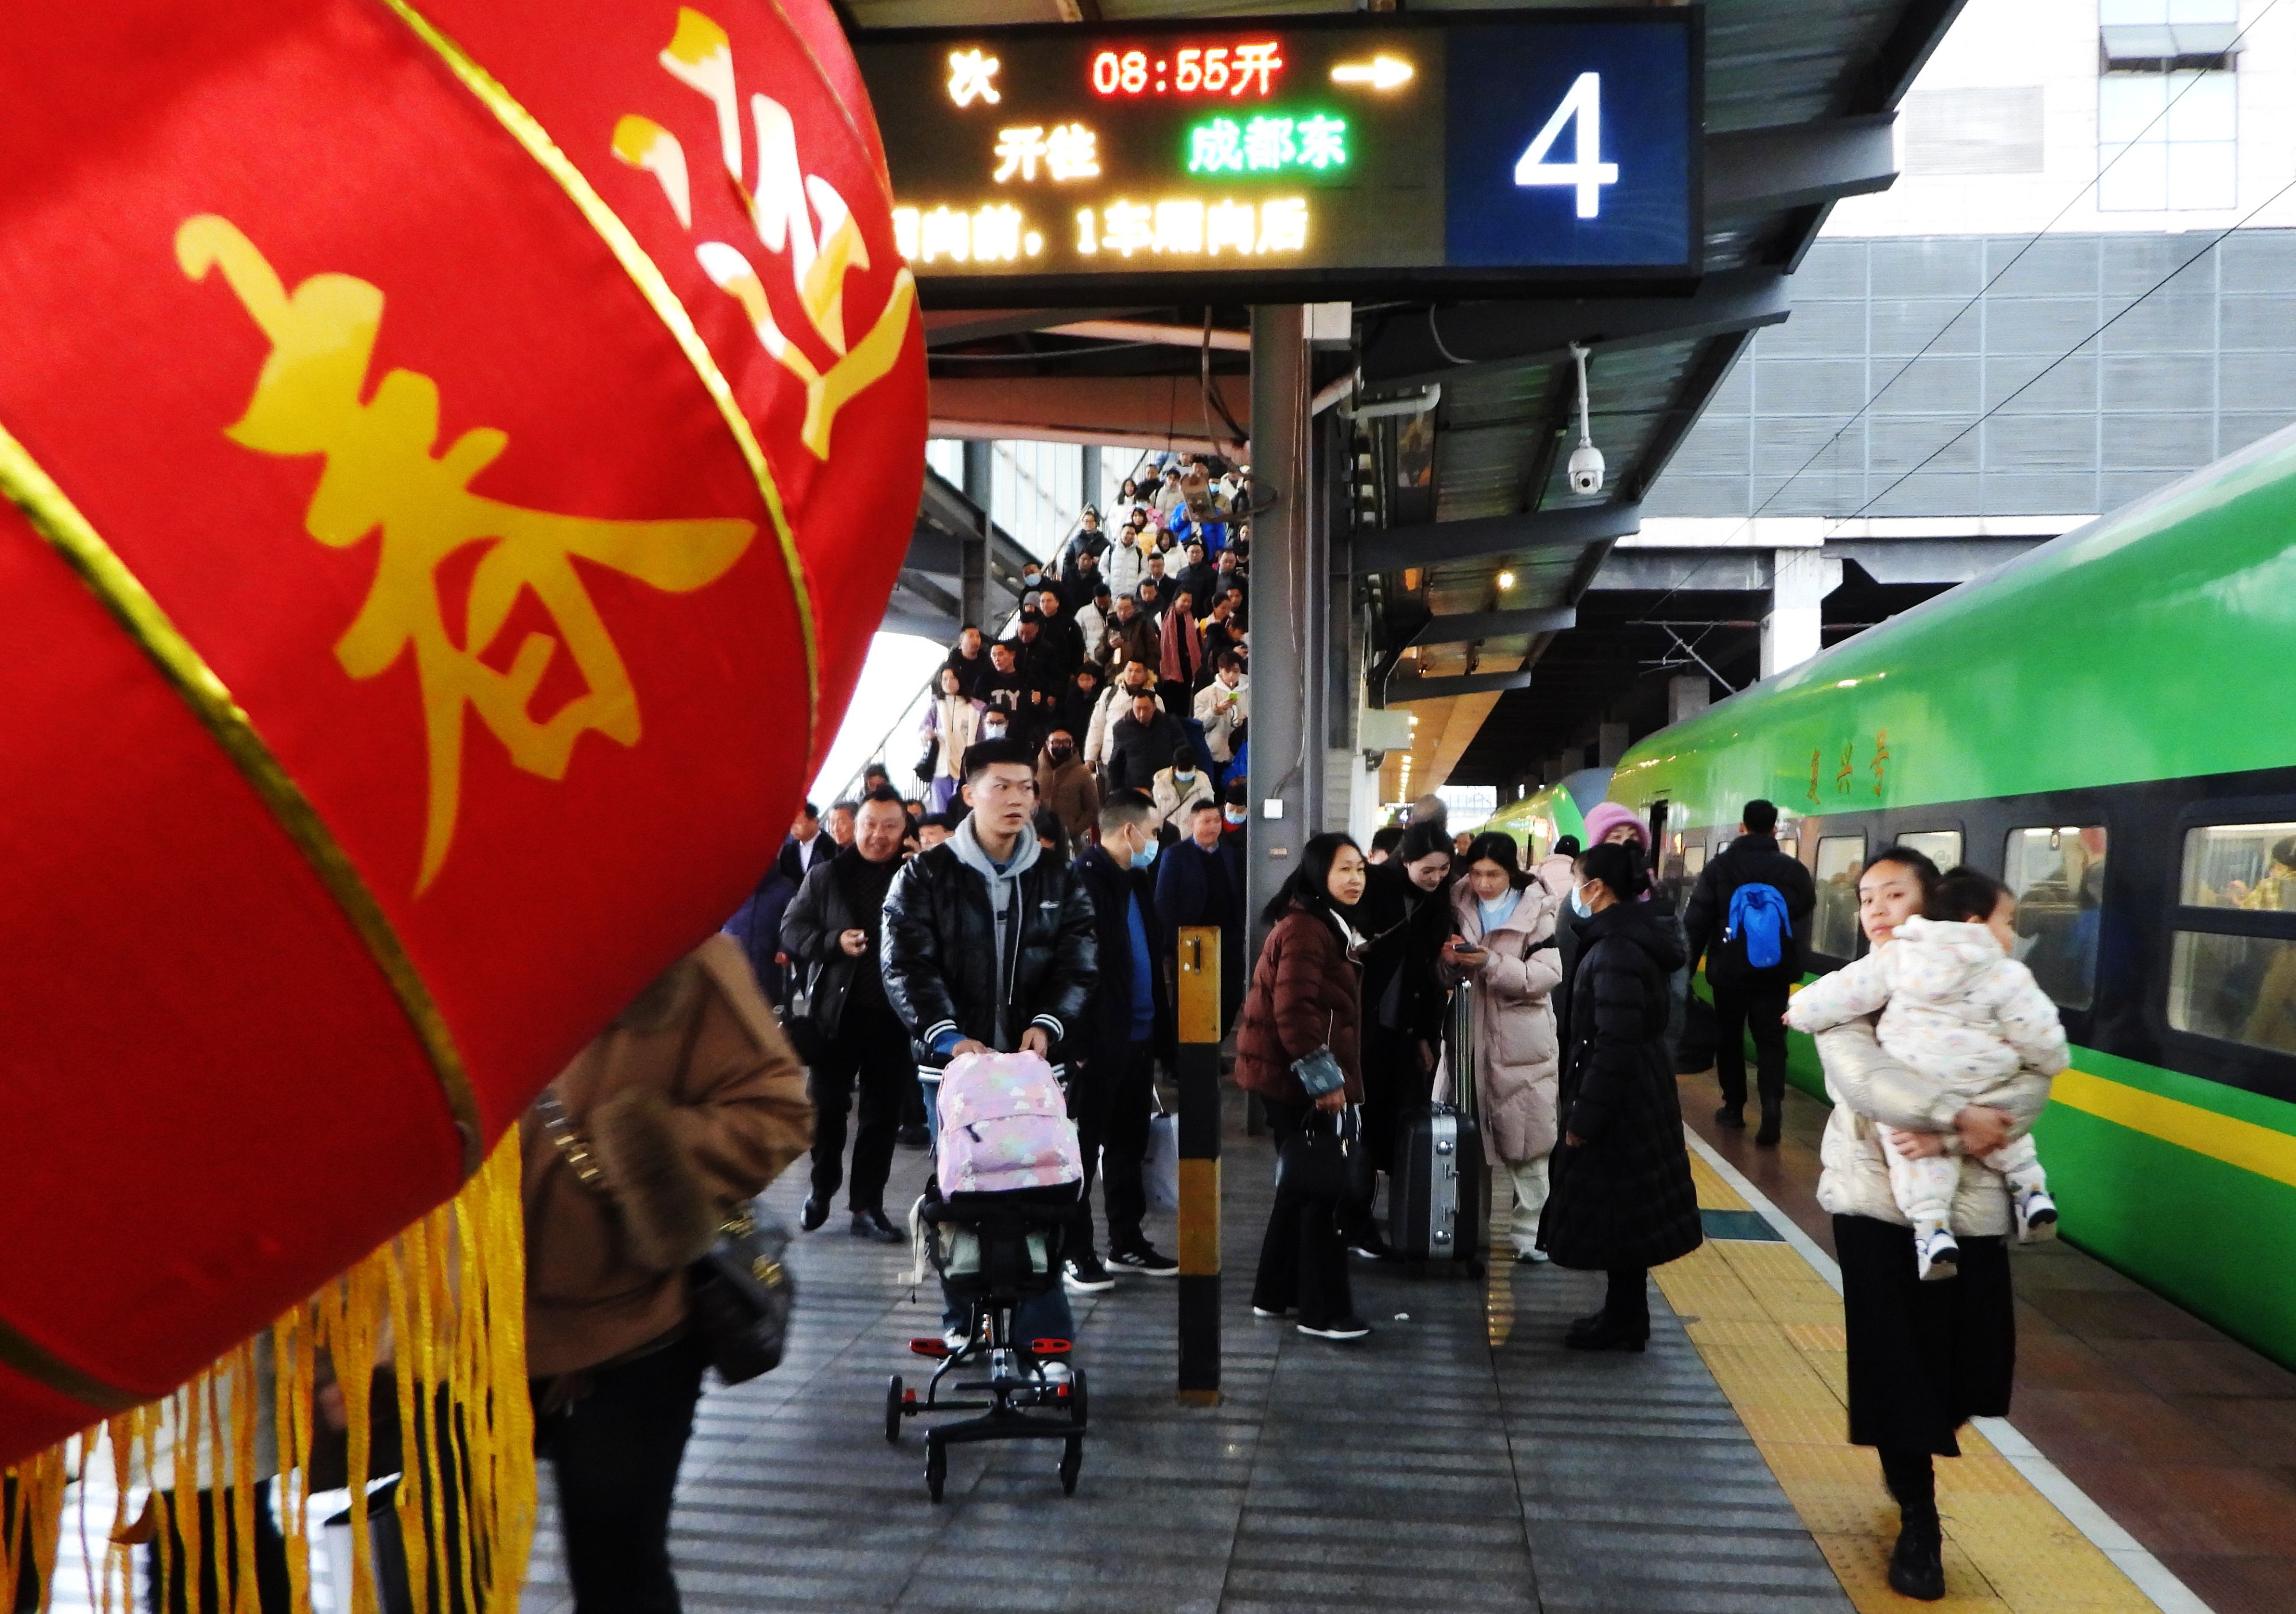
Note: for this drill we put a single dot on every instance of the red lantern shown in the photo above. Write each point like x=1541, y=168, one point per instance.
x=456, y=453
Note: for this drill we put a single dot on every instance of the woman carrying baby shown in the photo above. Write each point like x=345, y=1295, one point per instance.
x=1924, y=1357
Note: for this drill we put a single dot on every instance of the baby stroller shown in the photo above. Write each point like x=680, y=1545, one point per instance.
x=995, y=1245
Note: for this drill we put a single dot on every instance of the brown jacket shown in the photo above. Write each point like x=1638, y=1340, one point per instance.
x=690, y=1103
x=1305, y=994
x=1068, y=790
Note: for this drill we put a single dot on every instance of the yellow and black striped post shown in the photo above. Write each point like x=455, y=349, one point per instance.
x=1198, y=1078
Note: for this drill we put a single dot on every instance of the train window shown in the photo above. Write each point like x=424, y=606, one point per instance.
x=2057, y=876
x=1694, y=861
x=1941, y=847
x=1840, y=860
x=2240, y=866
x=2241, y=988
x=1790, y=845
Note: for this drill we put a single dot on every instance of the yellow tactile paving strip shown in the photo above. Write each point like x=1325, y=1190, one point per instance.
x=1769, y=1329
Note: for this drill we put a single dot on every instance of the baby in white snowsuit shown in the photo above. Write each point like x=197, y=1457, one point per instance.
x=1958, y=1011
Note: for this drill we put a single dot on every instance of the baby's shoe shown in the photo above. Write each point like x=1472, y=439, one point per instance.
x=1936, y=1254
x=2037, y=1216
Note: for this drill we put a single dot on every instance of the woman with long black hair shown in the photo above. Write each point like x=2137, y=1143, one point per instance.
x=1622, y=1200
x=1924, y=1358
x=1307, y=999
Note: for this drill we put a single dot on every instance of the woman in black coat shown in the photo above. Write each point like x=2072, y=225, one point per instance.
x=1623, y=1201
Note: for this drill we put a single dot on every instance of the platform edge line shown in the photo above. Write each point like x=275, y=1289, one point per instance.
x=2146, y=1573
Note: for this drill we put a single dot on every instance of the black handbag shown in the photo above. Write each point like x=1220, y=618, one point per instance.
x=1325, y=1159
x=740, y=1296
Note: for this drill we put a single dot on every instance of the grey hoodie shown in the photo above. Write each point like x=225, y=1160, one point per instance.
x=1004, y=901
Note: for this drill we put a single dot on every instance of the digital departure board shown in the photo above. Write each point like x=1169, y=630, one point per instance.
x=1072, y=162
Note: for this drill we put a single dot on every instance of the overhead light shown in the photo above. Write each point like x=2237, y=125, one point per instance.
x=1506, y=580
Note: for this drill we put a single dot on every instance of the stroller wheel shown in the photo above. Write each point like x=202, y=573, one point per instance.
x=893, y=1409
x=936, y=1468
x=1071, y=1463
x=1076, y=1399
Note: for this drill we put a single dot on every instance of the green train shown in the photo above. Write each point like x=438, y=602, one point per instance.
x=2107, y=723
x=1548, y=814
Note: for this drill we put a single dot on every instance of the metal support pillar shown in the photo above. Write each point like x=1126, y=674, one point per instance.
x=973, y=579
x=1280, y=582
x=1092, y=475
x=1197, y=1070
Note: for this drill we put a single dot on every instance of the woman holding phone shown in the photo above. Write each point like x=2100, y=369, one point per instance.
x=1503, y=945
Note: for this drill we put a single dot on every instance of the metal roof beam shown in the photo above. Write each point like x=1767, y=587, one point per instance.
x=1798, y=165
x=1401, y=689
x=1570, y=526
x=1467, y=628
x=1443, y=342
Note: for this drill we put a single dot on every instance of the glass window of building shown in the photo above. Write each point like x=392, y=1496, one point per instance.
x=2166, y=105
x=2057, y=875
x=1833, y=929
x=1941, y=847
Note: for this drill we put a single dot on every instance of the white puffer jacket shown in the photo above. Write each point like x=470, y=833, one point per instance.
x=1954, y=1008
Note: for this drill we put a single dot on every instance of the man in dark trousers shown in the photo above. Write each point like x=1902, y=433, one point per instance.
x=1129, y=1019
x=834, y=934
x=1747, y=997
x=1202, y=883
x=1141, y=741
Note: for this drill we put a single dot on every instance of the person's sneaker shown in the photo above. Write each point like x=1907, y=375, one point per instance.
x=1733, y=1116
x=913, y=1137
x=873, y=1226
x=1262, y=1311
x=956, y=1338
x=1341, y=1328
x=1530, y=1258
x=1144, y=1258
x=1057, y=1372
x=2037, y=1216
x=1087, y=1276
x=813, y=1213
x=1936, y=1253
x=1370, y=1247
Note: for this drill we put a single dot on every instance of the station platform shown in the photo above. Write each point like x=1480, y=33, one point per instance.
x=1459, y=1459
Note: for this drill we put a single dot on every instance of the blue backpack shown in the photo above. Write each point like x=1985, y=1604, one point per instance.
x=1758, y=912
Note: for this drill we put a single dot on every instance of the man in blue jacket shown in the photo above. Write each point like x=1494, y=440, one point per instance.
x=1128, y=1020
x=1202, y=883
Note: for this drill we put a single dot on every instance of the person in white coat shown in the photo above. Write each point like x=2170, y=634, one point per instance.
x=1504, y=944
x=1222, y=704
x=1123, y=563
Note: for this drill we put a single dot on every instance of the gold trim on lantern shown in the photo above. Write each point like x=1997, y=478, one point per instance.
x=655, y=288
x=56, y=519
x=53, y=1372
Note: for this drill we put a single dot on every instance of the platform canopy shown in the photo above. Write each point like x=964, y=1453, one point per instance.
x=1466, y=477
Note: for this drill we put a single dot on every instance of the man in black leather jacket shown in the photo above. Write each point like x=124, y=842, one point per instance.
x=986, y=944
x=832, y=936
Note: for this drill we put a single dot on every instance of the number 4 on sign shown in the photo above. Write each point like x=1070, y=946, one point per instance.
x=1587, y=171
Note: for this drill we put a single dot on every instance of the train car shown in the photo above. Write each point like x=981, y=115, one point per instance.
x=1540, y=819
x=2107, y=724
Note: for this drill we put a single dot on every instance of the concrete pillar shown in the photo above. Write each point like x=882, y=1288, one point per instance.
x=973, y=582
x=1092, y=477
x=1280, y=825
x=1799, y=581
x=1687, y=694
x=1609, y=744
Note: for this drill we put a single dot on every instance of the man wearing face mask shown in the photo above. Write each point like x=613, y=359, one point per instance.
x=1064, y=784
x=1200, y=883
x=1177, y=789
x=1129, y=1020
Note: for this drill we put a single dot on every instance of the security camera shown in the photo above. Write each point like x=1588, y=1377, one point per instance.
x=1585, y=468
x=1585, y=460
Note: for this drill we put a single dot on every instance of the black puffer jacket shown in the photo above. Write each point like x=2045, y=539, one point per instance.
x=847, y=893
x=1107, y=1035
x=941, y=969
x=1748, y=860
x=1623, y=1197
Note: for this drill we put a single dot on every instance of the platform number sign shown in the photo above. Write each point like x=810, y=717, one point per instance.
x=1586, y=172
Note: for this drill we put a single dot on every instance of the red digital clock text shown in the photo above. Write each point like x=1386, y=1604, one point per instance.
x=1232, y=70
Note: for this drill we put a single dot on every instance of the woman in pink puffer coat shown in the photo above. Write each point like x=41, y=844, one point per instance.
x=1504, y=944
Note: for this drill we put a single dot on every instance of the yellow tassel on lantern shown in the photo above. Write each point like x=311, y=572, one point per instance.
x=444, y=1305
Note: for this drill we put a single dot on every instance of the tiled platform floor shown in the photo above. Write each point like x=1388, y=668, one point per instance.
x=2186, y=1438
x=1458, y=1460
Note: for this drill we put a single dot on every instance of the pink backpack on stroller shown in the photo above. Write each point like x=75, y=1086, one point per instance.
x=1004, y=1125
